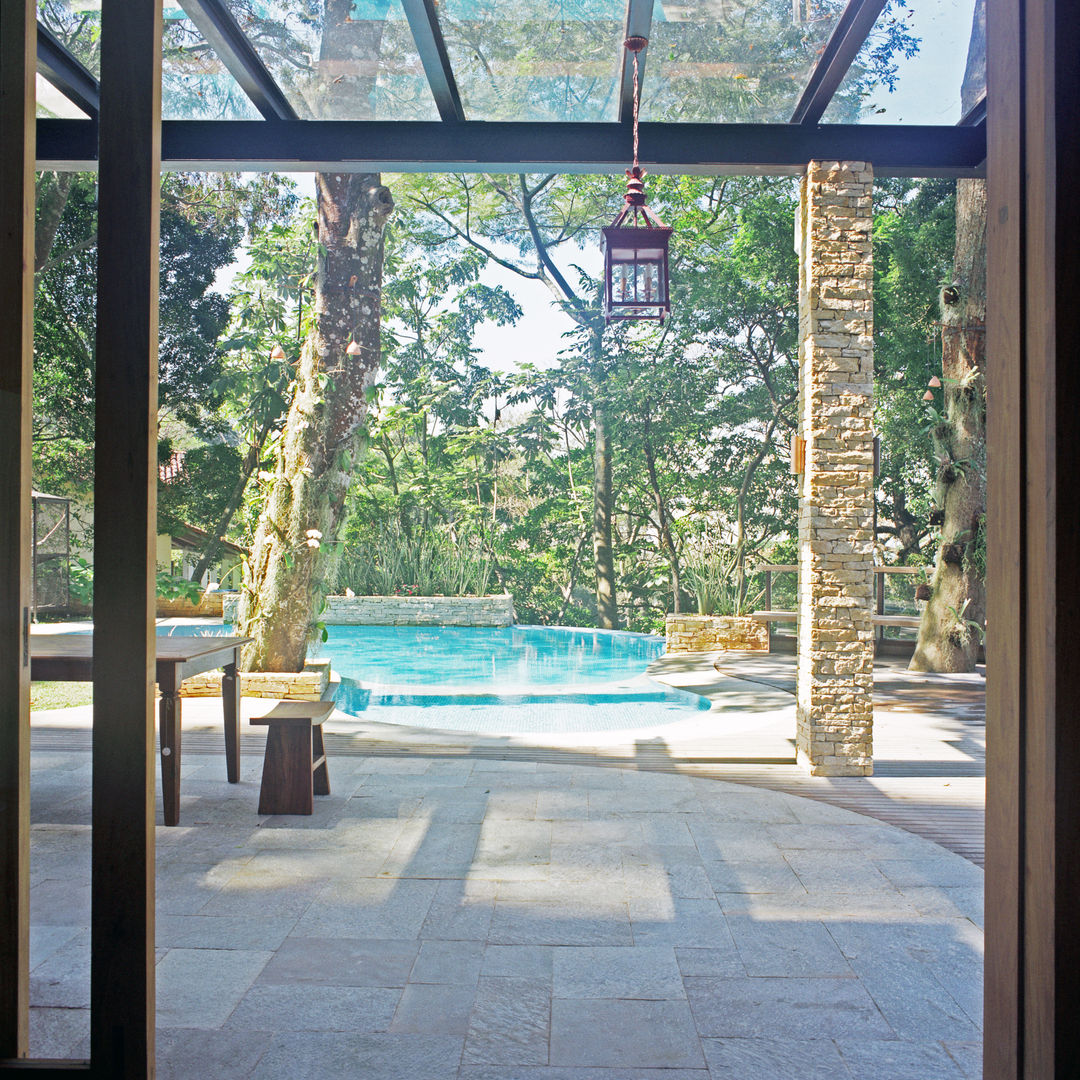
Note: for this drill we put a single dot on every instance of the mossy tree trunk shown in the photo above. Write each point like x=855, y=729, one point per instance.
x=951, y=626
x=294, y=550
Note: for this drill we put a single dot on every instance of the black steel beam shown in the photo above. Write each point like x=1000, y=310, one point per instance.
x=71, y=78
x=848, y=37
x=471, y=146
x=427, y=34
x=976, y=114
x=224, y=36
x=638, y=24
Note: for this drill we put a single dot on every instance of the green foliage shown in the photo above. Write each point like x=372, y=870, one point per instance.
x=177, y=588
x=713, y=576
x=387, y=561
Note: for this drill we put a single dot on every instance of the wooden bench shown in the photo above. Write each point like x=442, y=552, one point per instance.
x=294, y=768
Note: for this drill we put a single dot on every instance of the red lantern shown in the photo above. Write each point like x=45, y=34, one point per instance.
x=635, y=244
x=635, y=247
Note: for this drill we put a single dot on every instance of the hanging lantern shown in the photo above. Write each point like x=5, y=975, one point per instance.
x=635, y=244
x=277, y=353
x=353, y=349
x=934, y=383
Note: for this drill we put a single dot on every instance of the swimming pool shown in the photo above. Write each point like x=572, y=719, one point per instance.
x=505, y=680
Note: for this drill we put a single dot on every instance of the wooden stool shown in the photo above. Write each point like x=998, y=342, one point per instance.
x=294, y=768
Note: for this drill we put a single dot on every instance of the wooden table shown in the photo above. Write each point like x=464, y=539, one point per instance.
x=70, y=658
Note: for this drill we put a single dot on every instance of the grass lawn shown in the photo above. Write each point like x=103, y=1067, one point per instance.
x=60, y=695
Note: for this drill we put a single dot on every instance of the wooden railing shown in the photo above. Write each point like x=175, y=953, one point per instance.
x=880, y=619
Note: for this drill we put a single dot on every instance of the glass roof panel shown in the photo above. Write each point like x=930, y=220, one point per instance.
x=50, y=102
x=195, y=84
x=77, y=26
x=518, y=60
x=340, y=59
x=733, y=61
x=886, y=86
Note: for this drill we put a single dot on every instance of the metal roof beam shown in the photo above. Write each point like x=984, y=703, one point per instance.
x=976, y=114
x=68, y=75
x=638, y=24
x=471, y=146
x=427, y=34
x=235, y=51
x=848, y=37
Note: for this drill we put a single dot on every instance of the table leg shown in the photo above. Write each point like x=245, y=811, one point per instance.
x=230, y=703
x=169, y=725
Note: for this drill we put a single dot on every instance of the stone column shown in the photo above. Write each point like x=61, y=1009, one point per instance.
x=835, y=673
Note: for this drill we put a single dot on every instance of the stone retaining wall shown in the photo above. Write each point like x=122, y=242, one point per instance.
x=710, y=633
x=306, y=685
x=211, y=606
x=419, y=610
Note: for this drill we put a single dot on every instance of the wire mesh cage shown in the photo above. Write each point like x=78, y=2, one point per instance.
x=51, y=551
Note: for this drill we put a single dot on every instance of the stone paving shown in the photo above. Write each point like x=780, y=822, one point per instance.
x=479, y=919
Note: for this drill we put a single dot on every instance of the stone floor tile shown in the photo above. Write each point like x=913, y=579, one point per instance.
x=63, y=981
x=384, y=804
x=60, y=902
x=223, y=931
x=55, y=1033
x=598, y=923
x=381, y=909
x=569, y=804
x=460, y=911
x=452, y=962
x=648, y=800
x=734, y=842
x=714, y=961
x=907, y=1060
x=340, y=962
x=968, y=1056
x=188, y=1054
x=938, y=868
x=739, y=1008
x=297, y=1055
x=621, y=1034
x=434, y=1009
x=605, y=833
x=786, y=948
x=510, y=1023
x=838, y=872
x=307, y=1007
x=520, y=961
x=674, y=921
x=429, y=849
x=742, y=878
x=776, y=1058
x=554, y=886
x=256, y=891
x=553, y=1072
x=46, y=939
x=644, y=972
x=199, y=988
x=948, y=902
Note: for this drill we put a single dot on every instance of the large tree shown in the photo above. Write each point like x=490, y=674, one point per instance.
x=951, y=627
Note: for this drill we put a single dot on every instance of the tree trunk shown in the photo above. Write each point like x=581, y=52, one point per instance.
x=950, y=629
x=603, y=556
x=295, y=549
x=951, y=625
x=52, y=195
x=663, y=524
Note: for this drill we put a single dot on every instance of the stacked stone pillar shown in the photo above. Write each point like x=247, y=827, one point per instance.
x=836, y=401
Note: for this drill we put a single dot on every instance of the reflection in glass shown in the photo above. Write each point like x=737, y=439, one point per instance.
x=519, y=60
x=340, y=59
x=733, y=61
x=921, y=83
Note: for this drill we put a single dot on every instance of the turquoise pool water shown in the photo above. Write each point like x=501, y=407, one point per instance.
x=491, y=680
